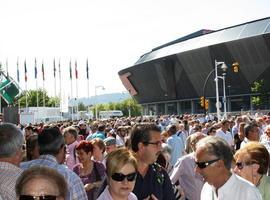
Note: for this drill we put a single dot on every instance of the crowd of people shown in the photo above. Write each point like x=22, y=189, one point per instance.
x=188, y=157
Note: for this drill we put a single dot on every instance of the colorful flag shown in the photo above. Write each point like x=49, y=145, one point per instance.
x=87, y=70
x=18, y=72
x=76, y=70
x=70, y=70
x=54, y=69
x=42, y=68
x=35, y=68
x=59, y=68
x=25, y=71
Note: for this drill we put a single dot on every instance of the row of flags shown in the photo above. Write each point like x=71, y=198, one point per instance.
x=54, y=70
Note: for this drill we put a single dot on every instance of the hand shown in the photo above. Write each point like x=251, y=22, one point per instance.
x=89, y=186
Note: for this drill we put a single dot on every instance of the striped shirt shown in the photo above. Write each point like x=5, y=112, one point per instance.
x=75, y=185
x=8, y=177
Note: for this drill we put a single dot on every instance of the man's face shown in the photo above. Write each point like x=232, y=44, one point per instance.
x=226, y=126
x=152, y=148
x=69, y=138
x=253, y=134
x=110, y=148
x=210, y=172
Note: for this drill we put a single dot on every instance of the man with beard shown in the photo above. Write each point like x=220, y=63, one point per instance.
x=152, y=181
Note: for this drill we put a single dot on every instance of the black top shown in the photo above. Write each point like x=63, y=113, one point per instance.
x=156, y=182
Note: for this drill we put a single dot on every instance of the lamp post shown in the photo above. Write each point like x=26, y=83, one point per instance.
x=224, y=68
x=96, y=87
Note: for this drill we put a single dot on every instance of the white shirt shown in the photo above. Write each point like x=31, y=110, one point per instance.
x=236, y=188
x=226, y=136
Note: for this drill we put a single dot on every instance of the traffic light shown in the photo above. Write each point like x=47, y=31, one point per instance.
x=206, y=104
x=235, y=66
x=202, y=101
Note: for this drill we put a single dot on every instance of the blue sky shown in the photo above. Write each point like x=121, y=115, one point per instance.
x=112, y=34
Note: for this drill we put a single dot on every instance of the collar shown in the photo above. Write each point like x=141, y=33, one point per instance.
x=48, y=157
x=9, y=166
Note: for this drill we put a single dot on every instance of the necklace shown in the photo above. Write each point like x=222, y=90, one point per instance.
x=259, y=181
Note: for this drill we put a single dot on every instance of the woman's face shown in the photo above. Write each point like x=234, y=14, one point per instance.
x=41, y=186
x=97, y=152
x=123, y=188
x=242, y=169
x=83, y=156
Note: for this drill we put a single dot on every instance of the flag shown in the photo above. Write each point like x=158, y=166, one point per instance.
x=87, y=70
x=76, y=70
x=54, y=69
x=59, y=69
x=70, y=70
x=42, y=68
x=25, y=71
x=35, y=68
x=18, y=72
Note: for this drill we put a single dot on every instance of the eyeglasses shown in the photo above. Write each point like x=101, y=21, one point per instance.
x=158, y=143
x=203, y=165
x=44, y=197
x=120, y=177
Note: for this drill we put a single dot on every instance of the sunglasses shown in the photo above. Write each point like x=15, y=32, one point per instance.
x=203, y=165
x=44, y=197
x=120, y=177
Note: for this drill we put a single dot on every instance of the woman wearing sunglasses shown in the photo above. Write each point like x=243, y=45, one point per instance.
x=252, y=163
x=121, y=169
x=41, y=183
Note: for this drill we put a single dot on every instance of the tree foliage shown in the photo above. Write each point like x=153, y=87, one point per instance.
x=260, y=97
x=32, y=99
x=124, y=106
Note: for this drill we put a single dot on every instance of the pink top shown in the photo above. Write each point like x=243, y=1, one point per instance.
x=71, y=158
x=105, y=195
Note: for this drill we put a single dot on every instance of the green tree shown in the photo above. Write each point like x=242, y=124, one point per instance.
x=82, y=107
x=124, y=106
x=32, y=98
x=259, y=97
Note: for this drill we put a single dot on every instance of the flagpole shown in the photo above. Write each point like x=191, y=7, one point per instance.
x=25, y=79
x=76, y=73
x=70, y=75
x=7, y=67
x=43, y=78
x=36, y=81
x=87, y=76
x=54, y=74
x=18, y=80
x=60, y=87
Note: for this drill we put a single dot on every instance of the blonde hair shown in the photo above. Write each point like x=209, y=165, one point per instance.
x=257, y=154
x=118, y=158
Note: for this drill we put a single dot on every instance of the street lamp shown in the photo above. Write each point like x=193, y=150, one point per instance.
x=224, y=67
x=96, y=87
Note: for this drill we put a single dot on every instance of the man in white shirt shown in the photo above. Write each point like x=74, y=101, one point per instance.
x=213, y=158
x=224, y=133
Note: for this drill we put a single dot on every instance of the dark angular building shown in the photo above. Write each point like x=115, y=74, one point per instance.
x=170, y=79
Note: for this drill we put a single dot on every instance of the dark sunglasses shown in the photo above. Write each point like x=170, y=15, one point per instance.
x=203, y=165
x=44, y=197
x=120, y=177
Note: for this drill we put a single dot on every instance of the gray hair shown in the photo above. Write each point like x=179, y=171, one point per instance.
x=218, y=147
x=11, y=140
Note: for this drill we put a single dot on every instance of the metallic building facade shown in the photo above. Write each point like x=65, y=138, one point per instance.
x=170, y=78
